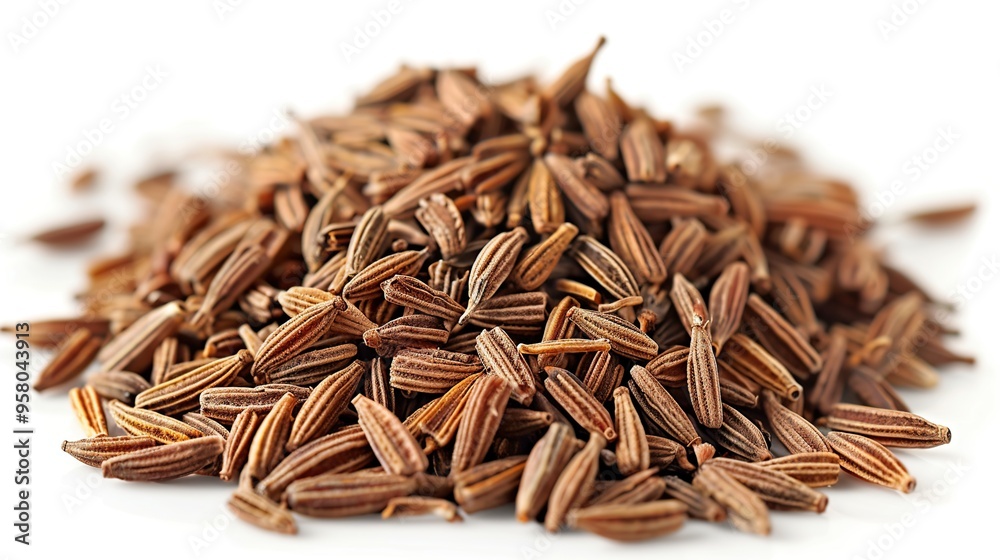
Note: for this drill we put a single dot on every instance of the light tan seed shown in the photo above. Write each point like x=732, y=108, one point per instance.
x=140, y=422
x=632, y=449
x=411, y=506
x=87, y=407
x=566, y=346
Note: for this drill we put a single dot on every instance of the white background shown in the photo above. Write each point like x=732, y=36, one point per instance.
x=891, y=92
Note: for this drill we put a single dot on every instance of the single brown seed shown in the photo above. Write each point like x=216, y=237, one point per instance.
x=181, y=393
x=871, y=461
x=796, y=433
x=573, y=397
x=141, y=422
x=262, y=512
x=703, y=376
x=625, y=338
x=94, y=451
x=268, y=445
x=660, y=407
x=489, y=485
x=325, y=404
x=294, y=336
x=73, y=357
x=632, y=522
x=164, y=462
x=345, y=495
x=632, y=449
x=419, y=505
x=700, y=505
x=500, y=357
x=480, y=420
x=777, y=489
x=394, y=446
x=87, y=407
x=576, y=483
x=815, y=470
x=544, y=464
x=71, y=234
x=491, y=268
x=747, y=511
x=892, y=428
